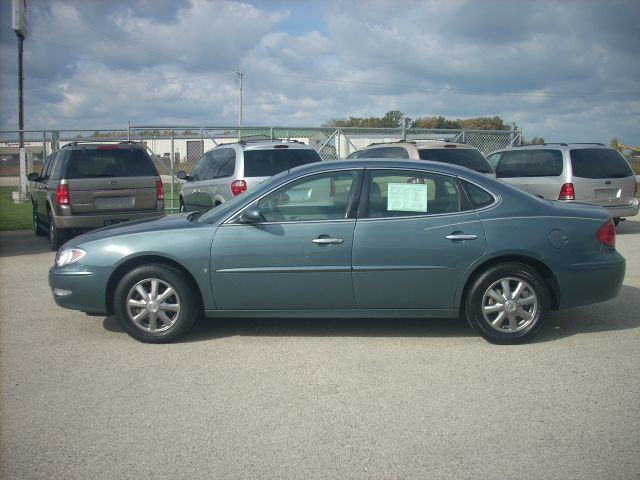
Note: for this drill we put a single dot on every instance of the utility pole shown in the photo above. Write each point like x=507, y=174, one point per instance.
x=19, y=21
x=240, y=76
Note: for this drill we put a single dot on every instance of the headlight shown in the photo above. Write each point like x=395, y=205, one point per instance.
x=66, y=256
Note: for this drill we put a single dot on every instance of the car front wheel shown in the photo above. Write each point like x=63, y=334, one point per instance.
x=156, y=303
x=507, y=303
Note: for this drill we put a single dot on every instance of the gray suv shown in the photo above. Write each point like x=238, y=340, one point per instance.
x=89, y=185
x=586, y=173
x=232, y=168
x=433, y=150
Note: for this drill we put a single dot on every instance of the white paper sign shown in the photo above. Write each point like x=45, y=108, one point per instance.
x=407, y=197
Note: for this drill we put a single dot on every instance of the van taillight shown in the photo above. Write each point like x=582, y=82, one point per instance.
x=159, y=190
x=567, y=192
x=607, y=233
x=238, y=186
x=62, y=194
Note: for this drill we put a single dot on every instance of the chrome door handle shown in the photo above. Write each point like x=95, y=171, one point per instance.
x=327, y=241
x=461, y=237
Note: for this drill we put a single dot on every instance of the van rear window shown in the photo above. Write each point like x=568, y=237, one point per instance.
x=117, y=162
x=464, y=157
x=530, y=163
x=266, y=163
x=599, y=163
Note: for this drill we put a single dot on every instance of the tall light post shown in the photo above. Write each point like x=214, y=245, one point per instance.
x=19, y=21
x=240, y=76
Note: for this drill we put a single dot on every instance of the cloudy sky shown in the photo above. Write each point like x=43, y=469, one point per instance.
x=563, y=70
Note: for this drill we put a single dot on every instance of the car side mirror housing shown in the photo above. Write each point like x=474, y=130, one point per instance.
x=251, y=215
x=182, y=175
x=33, y=177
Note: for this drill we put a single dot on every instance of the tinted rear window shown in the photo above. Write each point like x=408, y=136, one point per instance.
x=265, y=163
x=530, y=163
x=464, y=157
x=120, y=162
x=599, y=163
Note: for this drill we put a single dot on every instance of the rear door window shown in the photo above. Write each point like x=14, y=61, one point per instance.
x=599, y=163
x=266, y=163
x=111, y=162
x=408, y=193
x=224, y=162
x=530, y=163
x=464, y=157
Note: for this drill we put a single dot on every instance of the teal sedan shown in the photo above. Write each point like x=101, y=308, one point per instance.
x=360, y=238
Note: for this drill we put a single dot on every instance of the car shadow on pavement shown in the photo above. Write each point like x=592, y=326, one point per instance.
x=213, y=328
x=22, y=242
x=628, y=227
x=614, y=315
x=618, y=314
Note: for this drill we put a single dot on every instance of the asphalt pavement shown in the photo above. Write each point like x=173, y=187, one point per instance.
x=307, y=399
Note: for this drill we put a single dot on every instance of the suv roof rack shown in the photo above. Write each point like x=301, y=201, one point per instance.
x=414, y=141
x=260, y=139
x=75, y=143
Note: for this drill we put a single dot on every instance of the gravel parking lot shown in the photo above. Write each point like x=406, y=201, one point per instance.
x=314, y=398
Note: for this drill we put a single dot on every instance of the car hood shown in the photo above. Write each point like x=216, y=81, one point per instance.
x=157, y=224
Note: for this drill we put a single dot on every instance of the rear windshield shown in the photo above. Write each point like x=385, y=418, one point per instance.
x=464, y=157
x=265, y=163
x=530, y=163
x=599, y=163
x=117, y=162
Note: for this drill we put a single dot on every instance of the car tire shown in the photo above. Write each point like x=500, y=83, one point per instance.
x=37, y=228
x=156, y=303
x=57, y=236
x=513, y=317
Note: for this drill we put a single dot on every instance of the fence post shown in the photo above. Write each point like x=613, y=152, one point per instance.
x=172, y=157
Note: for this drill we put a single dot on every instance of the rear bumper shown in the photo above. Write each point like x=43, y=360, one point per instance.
x=100, y=220
x=592, y=282
x=625, y=210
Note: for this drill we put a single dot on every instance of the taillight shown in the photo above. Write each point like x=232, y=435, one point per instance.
x=159, y=190
x=62, y=194
x=238, y=186
x=567, y=192
x=607, y=233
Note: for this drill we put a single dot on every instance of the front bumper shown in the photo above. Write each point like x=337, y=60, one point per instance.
x=79, y=288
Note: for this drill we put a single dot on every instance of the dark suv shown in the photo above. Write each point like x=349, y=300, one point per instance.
x=90, y=185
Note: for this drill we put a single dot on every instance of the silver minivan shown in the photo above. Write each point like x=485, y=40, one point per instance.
x=587, y=173
x=232, y=168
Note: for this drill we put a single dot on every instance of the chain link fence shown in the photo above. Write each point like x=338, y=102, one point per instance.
x=176, y=148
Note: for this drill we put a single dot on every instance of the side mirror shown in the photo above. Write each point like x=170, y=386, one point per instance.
x=251, y=215
x=182, y=175
x=34, y=177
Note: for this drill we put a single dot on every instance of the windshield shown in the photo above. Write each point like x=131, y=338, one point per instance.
x=235, y=202
x=464, y=157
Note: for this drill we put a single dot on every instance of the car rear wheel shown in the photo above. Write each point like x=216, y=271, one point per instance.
x=156, y=303
x=57, y=236
x=37, y=228
x=507, y=303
